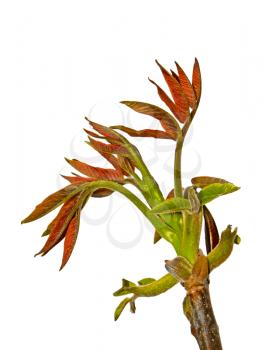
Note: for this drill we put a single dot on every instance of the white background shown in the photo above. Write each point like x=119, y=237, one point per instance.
x=62, y=60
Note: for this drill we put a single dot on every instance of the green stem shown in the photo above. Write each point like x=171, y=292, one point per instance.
x=177, y=166
x=178, y=155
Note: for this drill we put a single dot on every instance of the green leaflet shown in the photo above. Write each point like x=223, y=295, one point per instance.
x=145, y=281
x=172, y=205
x=215, y=190
x=121, y=307
x=151, y=289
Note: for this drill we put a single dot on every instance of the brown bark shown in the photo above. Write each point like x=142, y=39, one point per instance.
x=199, y=311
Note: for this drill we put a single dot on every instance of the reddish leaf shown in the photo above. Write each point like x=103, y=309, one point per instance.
x=167, y=121
x=48, y=229
x=93, y=134
x=211, y=231
x=196, y=80
x=61, y=222
x=186, y=86
x=70, y=237
x=126, y=165
x=51, y=202
x=77, y=179
x=165, y=98
x=108, y=148
x=96, y=172
x=105, y=131
x=175, y=75
x=144, y=133
x=121, y=162
x=177, y=94
x=101, y=147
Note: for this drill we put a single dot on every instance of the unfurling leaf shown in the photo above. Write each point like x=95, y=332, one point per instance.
x=177, y=94
x=145, y=132
x=172, y=205
x=145, y=281
x=121, y=307
x=211, y=231
x=167, y=121
x=52, y=202
x=211, y=192
x=203, y=181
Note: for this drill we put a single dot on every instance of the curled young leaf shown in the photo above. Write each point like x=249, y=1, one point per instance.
x=203, y=181
x=193, y=200
x=211, y=231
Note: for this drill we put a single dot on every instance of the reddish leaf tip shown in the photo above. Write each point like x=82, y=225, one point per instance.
x=38, y=253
